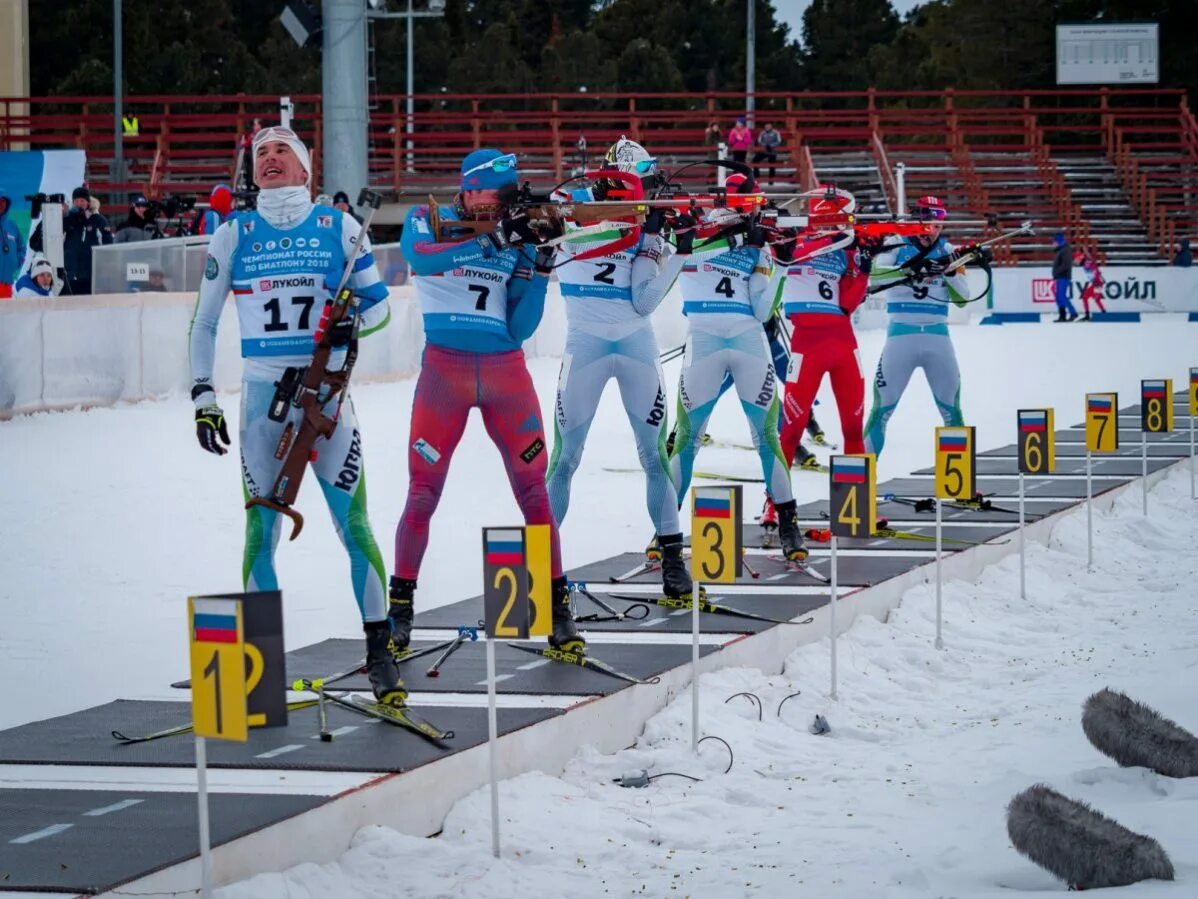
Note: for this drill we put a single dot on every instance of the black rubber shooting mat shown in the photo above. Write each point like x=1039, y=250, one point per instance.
x=359, y=744
x=659, y=619
x=1128, y=436
x=517, y=671
x=753, y=535
x=853, y=571
x=901, y=512
x=1006, y=488
x=88, y=841
x=1181, y=411
x=1172, y=450
x=1127, y=466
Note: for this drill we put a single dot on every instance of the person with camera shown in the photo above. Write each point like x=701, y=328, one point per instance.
x=281, y=262
x=139, y=224
x=481, y=298
x=82, y=229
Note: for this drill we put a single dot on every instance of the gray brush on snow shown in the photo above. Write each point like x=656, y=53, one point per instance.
x=1136, y=736
x=1079, y=845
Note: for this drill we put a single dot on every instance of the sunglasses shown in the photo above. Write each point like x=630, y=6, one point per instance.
x=931, y=212
x=645, y=166
x=499, y=165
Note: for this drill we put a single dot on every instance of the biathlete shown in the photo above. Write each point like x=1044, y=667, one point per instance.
x=917, y=336
x=609, y=335
x=282, y=260
x=728, y=288
x=819, y=296
x=481, y=298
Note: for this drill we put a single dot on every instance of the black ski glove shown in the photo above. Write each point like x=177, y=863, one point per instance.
x=654, y=221
x=211, y=430
x=516, y=229
x=338, y=335
x=785, y=250
x=755, y=236
x=684, y=234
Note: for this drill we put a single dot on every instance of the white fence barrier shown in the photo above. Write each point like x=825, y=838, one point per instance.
x=99, y=350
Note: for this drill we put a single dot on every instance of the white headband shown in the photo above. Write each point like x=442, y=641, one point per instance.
x=291, y=139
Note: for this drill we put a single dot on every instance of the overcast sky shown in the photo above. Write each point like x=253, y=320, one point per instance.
x=791, y=12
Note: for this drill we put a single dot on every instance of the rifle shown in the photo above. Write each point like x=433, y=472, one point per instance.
x=916, y=265
x=317, y=389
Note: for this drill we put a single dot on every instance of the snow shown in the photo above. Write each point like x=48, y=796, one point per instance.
x=110, y=518
x=904, y=798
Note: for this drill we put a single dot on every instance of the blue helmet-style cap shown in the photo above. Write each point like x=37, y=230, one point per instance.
x=489, y=169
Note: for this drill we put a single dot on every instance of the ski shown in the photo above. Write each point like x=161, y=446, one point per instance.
x=404, y=655
x=732, y=444
x=582, y=661
x=803, y=567
x=126, y=740
x=823, y=535
x=649, y=565
x=706, y=605
x=401, y=716
x=716, y=476
x=979, y=503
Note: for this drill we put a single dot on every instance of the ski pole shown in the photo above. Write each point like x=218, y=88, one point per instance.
x=463, y=633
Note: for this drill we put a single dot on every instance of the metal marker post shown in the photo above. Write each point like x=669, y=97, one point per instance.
x=202, y=804
x=1144, y=467
x=1089, y=514
x=832, y=616
x=939, y=633
x=492, y=737
x=697, y=592
x=1022, y=578
x=1193, y=495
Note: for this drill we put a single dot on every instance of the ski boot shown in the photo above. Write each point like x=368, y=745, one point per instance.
x=675, y=579
x=653, y=550
x=565, y=635
x=381, y=667
x=399, y=613
x=815, y=432
x=769, y=523
x=789, y=534
x=804, y=458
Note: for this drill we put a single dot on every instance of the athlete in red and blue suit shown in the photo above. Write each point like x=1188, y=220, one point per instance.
x=481, y=298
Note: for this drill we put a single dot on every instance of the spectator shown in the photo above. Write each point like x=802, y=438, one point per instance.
x=82, y=229
x=341, y=201
x=1062, y=274
x=740, y=140
x=713, y=136
x=1183, y=258
x=39, y=281
x=12, y=249
x=139, y=225
x=769, y=140
x=157, y=282
x=219, y=211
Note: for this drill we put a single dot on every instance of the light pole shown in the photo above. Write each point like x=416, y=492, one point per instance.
x=436, y=9
x=750, y=62
x=118, y=106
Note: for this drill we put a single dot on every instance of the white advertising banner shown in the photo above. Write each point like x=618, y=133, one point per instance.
x=1127, y=289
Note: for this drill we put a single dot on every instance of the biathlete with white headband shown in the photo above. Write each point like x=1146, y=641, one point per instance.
x=282, y=262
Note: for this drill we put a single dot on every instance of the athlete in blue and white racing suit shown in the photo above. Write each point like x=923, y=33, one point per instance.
x=729, y=286
x=917, y=336
x=281, y=262
x=609, y=335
